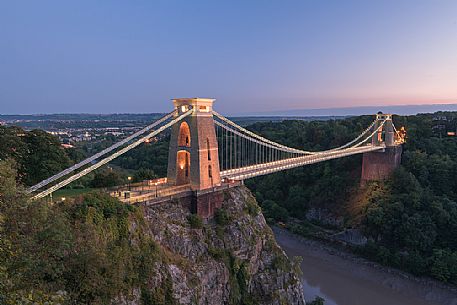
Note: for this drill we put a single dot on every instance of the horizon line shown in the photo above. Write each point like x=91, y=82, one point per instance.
x=262, y=113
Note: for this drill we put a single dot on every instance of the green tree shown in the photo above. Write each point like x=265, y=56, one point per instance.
x=317, y=301
x=106, y=178
x=144, y=174
x=45, y=156
x=444, y=265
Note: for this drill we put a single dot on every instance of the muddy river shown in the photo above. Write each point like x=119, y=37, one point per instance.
x=343, y=279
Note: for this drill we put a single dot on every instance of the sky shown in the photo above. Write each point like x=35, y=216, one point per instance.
x=251, y=56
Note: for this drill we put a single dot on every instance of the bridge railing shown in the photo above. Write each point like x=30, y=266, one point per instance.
x=165, y=191
x=271, y=167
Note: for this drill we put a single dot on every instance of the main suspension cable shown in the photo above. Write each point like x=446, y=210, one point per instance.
x=372, y=134
x=286, y=148
x=111, y=157
x=99, y=154
x=356, y=139
x=260, y=138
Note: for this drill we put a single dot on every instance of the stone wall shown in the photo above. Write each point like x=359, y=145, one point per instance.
x=379, y=165
x=206, y=205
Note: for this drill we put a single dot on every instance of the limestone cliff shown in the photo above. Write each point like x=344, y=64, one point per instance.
x=233, y=259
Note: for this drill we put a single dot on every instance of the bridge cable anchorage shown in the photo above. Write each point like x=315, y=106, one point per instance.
x=111, y=157
x=286, y=148
x=99, y=154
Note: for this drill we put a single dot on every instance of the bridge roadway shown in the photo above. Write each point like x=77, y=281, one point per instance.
x=156, y=192
x=275, y=166
x=152, y=194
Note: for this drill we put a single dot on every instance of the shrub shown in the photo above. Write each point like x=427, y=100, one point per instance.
x=252, y=208
x=222, y=218
x=280, y=263
x=317, y=301
x=444, y=265
x=195, y=221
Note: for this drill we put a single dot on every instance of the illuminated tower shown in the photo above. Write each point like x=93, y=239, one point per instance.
x=379, y=165
x=193, y=155
x=386, y=133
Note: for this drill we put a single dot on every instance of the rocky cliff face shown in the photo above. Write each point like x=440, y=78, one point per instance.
x=233, y=259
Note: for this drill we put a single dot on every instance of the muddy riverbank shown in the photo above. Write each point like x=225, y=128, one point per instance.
x=342, y=278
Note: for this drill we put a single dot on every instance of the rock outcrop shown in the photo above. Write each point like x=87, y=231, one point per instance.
x=232, y=259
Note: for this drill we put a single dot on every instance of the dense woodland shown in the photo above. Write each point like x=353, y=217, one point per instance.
x=410, y=220
x=72, y=252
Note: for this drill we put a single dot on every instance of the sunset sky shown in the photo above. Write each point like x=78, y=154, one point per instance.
x=252, y=56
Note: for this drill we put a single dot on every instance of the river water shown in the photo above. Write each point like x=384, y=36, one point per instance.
x=343, y=279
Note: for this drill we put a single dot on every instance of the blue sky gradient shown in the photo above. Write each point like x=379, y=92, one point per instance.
x=252, y=56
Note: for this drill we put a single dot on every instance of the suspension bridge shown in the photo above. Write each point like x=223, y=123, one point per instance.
x=208, y=152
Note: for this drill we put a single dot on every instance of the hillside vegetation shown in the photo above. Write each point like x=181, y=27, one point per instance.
x=410, y=220
x=77, y=250
x=97, y=250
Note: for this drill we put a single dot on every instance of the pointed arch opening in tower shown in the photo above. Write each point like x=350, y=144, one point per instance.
x=184, y=135
x=183, y=167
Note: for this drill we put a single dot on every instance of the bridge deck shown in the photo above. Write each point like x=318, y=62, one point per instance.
x=152, y=194
x=271, y=167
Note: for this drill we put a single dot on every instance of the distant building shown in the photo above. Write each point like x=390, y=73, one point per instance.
x=59, y=133
x=87, y=137
x=440, y=118
x=439, y=126
x=114, y=133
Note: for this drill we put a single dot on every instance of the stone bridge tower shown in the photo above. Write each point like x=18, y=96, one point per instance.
x=193, y=157
x=379, y=165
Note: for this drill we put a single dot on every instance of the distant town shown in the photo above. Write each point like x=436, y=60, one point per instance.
x=445, y=125
x=74, y=128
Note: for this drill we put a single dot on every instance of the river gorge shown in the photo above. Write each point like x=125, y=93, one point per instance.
x=344, y=279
